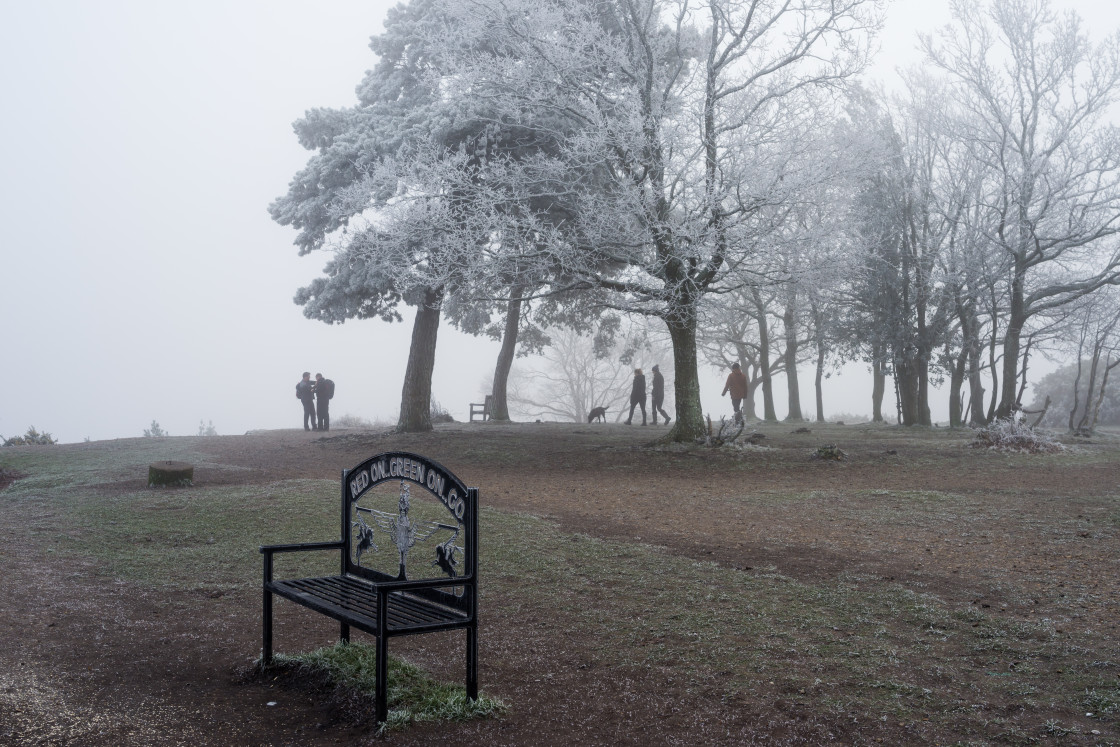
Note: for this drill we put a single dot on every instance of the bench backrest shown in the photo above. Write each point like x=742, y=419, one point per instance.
x=423, y=524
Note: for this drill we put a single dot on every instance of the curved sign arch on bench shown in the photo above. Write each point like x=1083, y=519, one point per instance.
x=447, y=542
x=402, y=465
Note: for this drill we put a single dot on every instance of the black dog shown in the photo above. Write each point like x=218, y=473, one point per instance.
x=598, y=413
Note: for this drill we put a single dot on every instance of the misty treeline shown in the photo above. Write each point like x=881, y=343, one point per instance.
x=525, y=166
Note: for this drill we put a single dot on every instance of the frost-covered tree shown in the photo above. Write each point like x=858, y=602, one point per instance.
x=396, y=106
x=1084, y=394
x=397, y=230
x=685, y=109
x=1040, y=98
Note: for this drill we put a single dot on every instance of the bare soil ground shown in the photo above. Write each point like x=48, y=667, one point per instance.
x=1027, y=540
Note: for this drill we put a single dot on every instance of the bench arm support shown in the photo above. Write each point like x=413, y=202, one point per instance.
x=269, y=550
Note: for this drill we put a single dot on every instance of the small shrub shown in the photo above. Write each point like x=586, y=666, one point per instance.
x=830, y=452
x=1102, y=702
x=438, y=414
x=1011, y=434
x=729, y=431
x=155, y=431
x=204, y=430
x=351, y=421
x=842, y=418
x=31, y=438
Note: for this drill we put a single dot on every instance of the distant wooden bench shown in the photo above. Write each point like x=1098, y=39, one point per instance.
x=374, y=591
x=483, y=409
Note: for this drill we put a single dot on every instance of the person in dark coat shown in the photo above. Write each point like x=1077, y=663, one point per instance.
x=657, y=396
x=737, y=385
x=638, y=396
x=324, y=390
x=305, y=393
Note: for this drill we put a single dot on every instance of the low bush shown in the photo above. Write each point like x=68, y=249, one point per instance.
x=438, y=414
x=31, y=438
x=1012, y=434
x=155, y=431
x=351, y=421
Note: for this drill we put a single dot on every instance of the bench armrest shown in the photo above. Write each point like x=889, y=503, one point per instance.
x=269, y=550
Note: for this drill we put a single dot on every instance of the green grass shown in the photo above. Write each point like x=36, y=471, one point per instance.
x=413, y=697
x=181, y=538
x=850, y=645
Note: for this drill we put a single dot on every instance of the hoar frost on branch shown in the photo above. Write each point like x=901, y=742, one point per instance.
x=672, y=124
x=1037, y=98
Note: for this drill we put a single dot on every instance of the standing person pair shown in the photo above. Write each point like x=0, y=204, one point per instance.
x=638, y=396
x=307, y=392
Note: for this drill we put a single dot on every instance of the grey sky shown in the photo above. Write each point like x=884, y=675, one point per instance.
x=142, y=277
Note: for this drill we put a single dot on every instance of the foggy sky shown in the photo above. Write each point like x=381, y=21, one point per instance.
x=142, y=277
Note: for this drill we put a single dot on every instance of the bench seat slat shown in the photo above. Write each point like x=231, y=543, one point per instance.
x=354, y=601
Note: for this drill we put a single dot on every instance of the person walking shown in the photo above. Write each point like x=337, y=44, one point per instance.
x=324, y=390
x=638, y=396
x=657, y=396
x=737, y=385
x=305, y=393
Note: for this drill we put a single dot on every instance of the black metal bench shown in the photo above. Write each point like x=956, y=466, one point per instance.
x=373, y=591
x=483, y=409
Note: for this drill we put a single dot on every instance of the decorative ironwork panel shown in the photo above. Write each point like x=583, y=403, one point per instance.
x=406, y=518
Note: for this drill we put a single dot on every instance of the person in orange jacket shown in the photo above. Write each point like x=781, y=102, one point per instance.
x=737, y=385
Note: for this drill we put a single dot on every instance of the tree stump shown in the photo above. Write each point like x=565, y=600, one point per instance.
x=170, y=474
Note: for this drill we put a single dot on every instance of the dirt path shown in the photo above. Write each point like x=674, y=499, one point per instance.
x=93, y=664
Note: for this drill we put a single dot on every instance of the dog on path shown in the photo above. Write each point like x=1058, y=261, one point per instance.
x=598, y=413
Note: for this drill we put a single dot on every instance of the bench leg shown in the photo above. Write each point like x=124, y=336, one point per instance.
x=266, y=628
x=382, y=685
x=344, y=633
x=472, y=662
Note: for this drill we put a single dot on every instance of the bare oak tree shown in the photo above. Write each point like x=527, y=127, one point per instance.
x=1040, y=96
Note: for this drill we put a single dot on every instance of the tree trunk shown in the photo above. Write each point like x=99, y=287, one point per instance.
x=922, y=372
x=1076, y=394
x=975, y=387
x=1009, y=385
x=1023, y=373
x=822, y=355
x=879, y=385
x=794, y=391
x=1083, y=422
x=1016, y=319
x=992, y=359
x=416, y=396
x=956, y=384
x=499, y=408
x=686, y=377
x=819, y=381
x=906, y=383
x=749, y=410
x=970, y=352
x=769, y=413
